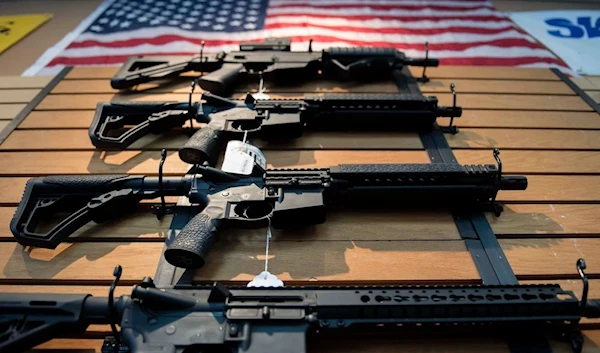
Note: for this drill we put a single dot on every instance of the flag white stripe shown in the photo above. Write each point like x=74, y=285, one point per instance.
x=186, y=47
x=449, y=37
x=366, y=11
x=543, y=65
x=383, y=23
x=460, y=4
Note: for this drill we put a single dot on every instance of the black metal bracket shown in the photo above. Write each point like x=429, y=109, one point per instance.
x=111, y=307
x=161, y=210
x=424, y=77
x=581, y=266
x=451, y=128
x=190, y=108
x=496, y=208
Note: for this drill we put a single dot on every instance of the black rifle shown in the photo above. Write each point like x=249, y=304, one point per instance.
x=117, y=125
x=277, y=320
x=272, y=59
x=284, y=197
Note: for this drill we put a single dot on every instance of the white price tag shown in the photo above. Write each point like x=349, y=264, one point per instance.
x=260, y=95
x=240, y=158
x=265, y=279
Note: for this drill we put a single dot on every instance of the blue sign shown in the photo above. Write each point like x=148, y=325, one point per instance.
x=568, y=29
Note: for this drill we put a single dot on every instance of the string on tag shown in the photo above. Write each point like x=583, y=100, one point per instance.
x=266, y=278
x=267, y=245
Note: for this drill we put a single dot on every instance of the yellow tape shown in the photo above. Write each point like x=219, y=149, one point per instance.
x=14, y=28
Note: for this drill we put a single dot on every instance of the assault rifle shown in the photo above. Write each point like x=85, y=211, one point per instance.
x=117, y=125
x=282, y=197
x=272, y=59
x=277, y=320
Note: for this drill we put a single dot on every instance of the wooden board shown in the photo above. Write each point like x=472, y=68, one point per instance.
x=18, y=95
x=3, y=124
x=546, y=219
x=20, y=82
x=9, y=111
x=543, y=129
x=595, y=95
x=525, y=139
x=240, y=261
x=310, y=260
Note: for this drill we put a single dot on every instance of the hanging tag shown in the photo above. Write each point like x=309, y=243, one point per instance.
x=265, y=279
x=261, y=95
x=240, y=158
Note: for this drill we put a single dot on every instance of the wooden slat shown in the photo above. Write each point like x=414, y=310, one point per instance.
x=514, y=118
x=479, y=72
x=595, y=95
x=583, y=83
x=17, y=95
x=470, y=118
x=546, y=219
x=79, y=261
x=12, y=82
x=549, y=162
x=372, y=344
x=551, y=257
x=79, y=139
x=433, y=86
x=595, y=81
x=341, y=225
x=9, y=111
x=3, y=124
x=11, y=190
x=364, y=261
x=64, y=119
x=467, y=101
x=138, y=162
x=242, y=260
x=551, y=189
x=525, y=138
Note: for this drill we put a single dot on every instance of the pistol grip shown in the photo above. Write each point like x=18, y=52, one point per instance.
x=223, y=80
x=191, y=246
x=203, y=146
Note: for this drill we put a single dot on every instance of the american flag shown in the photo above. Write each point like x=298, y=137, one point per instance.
x=470, y=32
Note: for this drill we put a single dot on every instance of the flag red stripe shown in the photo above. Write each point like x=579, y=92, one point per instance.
x=477, y=61
x=163, y=40
x=399, y=6
x=408, y=31
x=495, y=18
x=485, y=61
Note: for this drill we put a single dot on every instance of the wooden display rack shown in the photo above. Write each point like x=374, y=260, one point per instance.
x=542, y=127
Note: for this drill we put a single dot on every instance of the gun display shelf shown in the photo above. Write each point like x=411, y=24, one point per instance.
x=542, y=127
